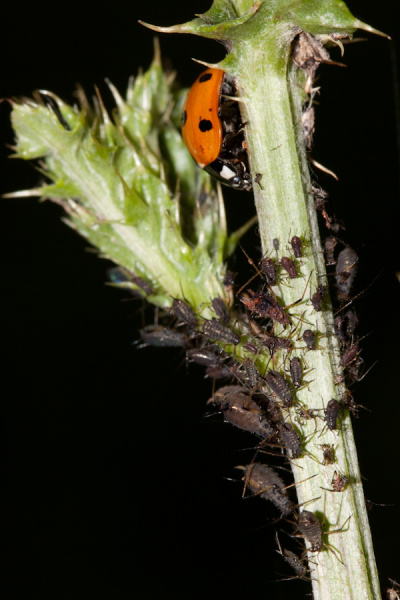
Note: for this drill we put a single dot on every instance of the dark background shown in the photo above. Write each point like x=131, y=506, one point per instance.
x=113, y=480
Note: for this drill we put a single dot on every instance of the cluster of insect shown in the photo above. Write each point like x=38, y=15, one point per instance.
x=238, y=343
x=236, y=340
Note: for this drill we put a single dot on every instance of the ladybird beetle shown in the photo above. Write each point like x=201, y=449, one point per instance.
x=213, y=131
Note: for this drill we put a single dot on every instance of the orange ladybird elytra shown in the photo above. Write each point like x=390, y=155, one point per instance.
x=213, y=131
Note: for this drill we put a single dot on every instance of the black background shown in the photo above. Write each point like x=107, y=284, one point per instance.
x=113, y=480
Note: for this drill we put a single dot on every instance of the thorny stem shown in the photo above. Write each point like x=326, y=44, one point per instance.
x=285, y=208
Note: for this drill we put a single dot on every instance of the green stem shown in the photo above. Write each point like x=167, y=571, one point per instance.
x=272, y=109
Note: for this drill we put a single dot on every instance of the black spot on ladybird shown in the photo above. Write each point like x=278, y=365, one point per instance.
x=205, y=77
x=184, y=118
x=205, y=125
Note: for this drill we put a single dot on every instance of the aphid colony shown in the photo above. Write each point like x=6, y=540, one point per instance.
x=258, y=402
x=235, y=341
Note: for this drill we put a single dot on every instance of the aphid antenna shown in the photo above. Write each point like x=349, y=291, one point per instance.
x=302, y=481
x=360, y=379
x=298, y=566
x=279, y=454
x=287, y=487
x=278, y=543
x=237, y=376
x=376, y=504
x=302, y=297
x=302, y=577
x=253, y=264
x=304, y=293
x=289, y=459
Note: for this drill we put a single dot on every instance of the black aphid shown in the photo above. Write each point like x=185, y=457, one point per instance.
x=350, y=355
x=309, y=338
x=310, y=528
x=202, y=356
x=220, y=309
x=317, y=297
x=217, y=331
x=266, y=483
x=240, y=410
x=290, y=439
x=280, y=387
x=274, y=342
x=264, y=304
x=270, y=409
x=297, y=246
x=268, y=268
x=250, y=347
x=153, y=335
x=345, y=326
x=252, y=375
x=295, y=562
x=296, y=371
x=184, y=312
x=289, y=267
x=346, y=270
x=329, y=250
x=331, y=413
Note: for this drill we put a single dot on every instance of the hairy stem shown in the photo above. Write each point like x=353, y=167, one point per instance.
x=286, y=207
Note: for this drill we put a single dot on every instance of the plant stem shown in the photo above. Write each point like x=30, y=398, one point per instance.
x=285, y=206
